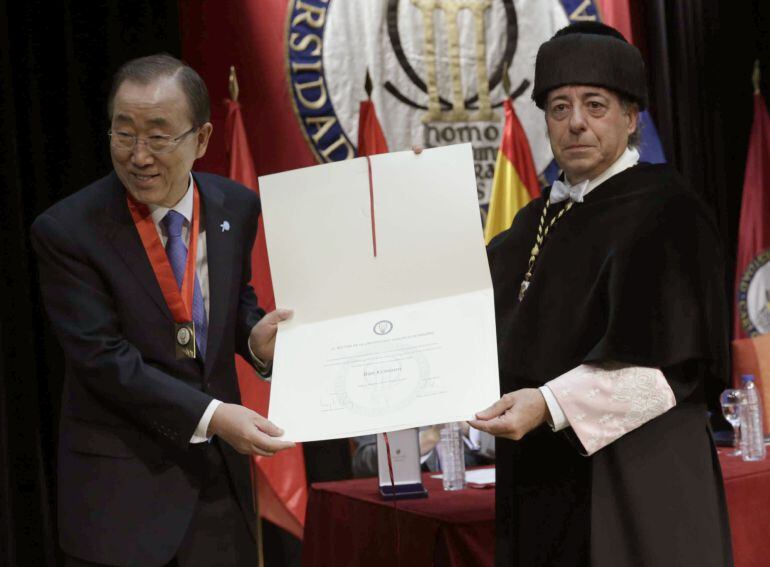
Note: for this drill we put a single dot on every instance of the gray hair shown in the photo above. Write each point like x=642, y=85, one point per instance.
x=635, y=137
x=145, y=70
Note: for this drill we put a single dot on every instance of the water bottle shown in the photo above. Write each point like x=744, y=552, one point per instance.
x=451, y=454
x=752, y=431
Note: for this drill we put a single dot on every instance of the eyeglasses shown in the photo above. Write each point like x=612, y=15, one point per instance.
x=155, y=144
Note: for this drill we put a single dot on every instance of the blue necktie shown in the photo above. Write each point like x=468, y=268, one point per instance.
x=177, y=257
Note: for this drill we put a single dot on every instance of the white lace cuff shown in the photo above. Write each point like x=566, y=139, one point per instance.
x=603, y=403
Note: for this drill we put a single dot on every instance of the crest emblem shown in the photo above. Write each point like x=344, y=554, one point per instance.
x=754, y=296
x=382, y=327
x=437, y=68
x=183, y=336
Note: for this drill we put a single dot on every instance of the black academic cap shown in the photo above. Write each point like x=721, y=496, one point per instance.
x=590, y=53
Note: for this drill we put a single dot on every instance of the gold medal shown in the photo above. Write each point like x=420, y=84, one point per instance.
x=179, y=299
x=184, y=340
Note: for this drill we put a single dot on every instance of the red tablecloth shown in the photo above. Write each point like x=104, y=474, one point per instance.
x=348, y=524
x=748, y=500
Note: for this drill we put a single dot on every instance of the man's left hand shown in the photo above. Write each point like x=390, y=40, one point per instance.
x=514, y=415
x=262, y=336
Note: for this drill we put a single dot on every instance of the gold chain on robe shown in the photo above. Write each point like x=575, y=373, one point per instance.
x=543, y=230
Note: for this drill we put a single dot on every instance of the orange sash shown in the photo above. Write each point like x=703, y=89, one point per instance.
x=179, y=302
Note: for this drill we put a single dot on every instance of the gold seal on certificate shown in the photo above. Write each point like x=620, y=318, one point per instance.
x=184, y=343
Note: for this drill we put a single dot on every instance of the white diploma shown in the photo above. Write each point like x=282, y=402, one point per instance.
x=393, y=322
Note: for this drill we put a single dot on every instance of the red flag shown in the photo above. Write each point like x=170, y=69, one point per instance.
x=617, y=13
x=371, y=140
x=281, y=483
x=754, y=230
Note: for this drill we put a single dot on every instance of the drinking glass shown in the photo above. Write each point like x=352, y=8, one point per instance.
x=731, y=408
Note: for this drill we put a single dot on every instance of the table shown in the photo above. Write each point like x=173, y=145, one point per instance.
x=348, y=524
x=747, y=486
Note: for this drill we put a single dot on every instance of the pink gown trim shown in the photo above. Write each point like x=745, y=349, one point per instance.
x=603, y=403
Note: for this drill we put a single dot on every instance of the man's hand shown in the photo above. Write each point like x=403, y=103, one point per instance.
x=514, y=415
x=262, y=336
x=246, y=431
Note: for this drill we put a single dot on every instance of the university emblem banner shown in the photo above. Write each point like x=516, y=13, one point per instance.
x=436, y=65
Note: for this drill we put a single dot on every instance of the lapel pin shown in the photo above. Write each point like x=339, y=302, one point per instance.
x=225, y=226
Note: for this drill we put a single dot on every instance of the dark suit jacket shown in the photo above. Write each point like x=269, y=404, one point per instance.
x=128, y=478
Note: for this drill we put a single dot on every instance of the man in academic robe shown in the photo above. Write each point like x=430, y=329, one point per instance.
x=145, y=278
x=611, y=338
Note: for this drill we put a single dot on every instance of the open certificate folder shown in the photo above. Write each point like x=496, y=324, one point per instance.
x=383, y=262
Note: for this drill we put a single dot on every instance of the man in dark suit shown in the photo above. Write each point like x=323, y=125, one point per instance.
x=153, y=466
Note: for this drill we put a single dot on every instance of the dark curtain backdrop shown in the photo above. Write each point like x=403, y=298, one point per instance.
x=700, y=55
x=57, y=62
x=57, y=59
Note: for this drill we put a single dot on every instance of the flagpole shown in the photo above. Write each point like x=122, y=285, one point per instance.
x=368, y=85
x=232, y=81
x=755, y=76
x=506, y=81
x=233, y=84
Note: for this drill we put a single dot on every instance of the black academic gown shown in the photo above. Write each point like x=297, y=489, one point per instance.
x=633, y=274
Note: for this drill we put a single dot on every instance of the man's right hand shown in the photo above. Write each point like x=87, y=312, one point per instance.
x=246, y=431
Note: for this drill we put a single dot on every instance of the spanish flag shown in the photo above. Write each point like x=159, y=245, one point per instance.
x=515, y=182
